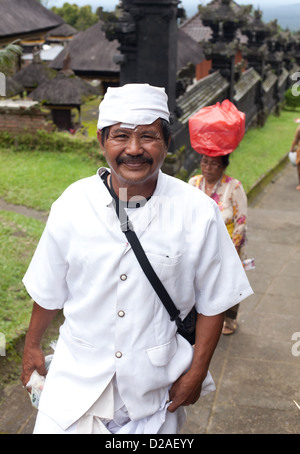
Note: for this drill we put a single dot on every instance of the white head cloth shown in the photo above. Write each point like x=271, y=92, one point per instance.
x=132, y=105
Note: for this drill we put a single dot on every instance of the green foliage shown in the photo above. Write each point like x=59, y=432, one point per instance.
x=291, y=100
x=89, y=115
x=18, y=239
x=79, y=17
x=105, y=15
x=8, y=56
x=36, y=169
x=56, y=141
x=262, y=149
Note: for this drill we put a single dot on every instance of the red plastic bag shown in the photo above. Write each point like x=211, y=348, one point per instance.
x=217, y=130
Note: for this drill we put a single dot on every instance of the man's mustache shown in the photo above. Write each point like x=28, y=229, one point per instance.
x=134, y=160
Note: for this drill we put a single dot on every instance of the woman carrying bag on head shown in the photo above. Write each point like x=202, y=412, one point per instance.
x=215, y=131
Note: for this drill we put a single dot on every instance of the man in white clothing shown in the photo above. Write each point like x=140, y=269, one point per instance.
x=120, y=366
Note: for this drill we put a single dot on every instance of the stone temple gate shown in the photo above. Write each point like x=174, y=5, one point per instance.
x=147, y=33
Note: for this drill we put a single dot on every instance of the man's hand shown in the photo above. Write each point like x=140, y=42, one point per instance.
x=187, y=388
x=185, y=391
x=33, y=359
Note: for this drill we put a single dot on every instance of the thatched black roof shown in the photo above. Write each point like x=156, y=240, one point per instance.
x=188, y=50
x=196, y=30
x=13, y=88
x=65, y=89
x=90, y=52
x=34, y=74
x=64, y=30
x=21, y=17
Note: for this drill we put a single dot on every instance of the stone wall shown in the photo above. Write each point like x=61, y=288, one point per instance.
x=269, y=93
x=19, y=117
x=284, y=83
x=246, y=95
x=205, y=92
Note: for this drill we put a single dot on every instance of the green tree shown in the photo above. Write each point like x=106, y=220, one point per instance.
x=86, y=18
x=79, y=17
x=43, y=2
x=68, y=12
x=8, y=57
x=106, y=15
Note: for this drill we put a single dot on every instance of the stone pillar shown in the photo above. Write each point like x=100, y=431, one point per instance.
x=147, y=33
x=221, y=16
x=256, y=50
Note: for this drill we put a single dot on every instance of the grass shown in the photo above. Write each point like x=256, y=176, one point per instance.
x=261, y=149
x=18, y=238
x=89, y=113
x=36, y=178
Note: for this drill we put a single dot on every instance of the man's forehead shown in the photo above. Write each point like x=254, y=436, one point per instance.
x=155, y=126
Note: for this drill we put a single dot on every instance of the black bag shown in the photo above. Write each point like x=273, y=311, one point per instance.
x=186, y=327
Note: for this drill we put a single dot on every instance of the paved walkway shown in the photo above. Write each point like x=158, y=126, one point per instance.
x=29, y=212
x=256, y=373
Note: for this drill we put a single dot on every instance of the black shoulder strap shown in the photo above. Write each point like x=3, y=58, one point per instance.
x=132, y=238
x=151, y=275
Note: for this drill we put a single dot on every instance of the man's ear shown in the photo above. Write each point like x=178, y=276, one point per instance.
x=167, y=147
x=99, y=137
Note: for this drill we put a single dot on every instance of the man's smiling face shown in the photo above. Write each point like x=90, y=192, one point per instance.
x=135, y=155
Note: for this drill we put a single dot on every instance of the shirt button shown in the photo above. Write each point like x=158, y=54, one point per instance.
x=123, y=277
x=121, y=313
x=118, y=354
